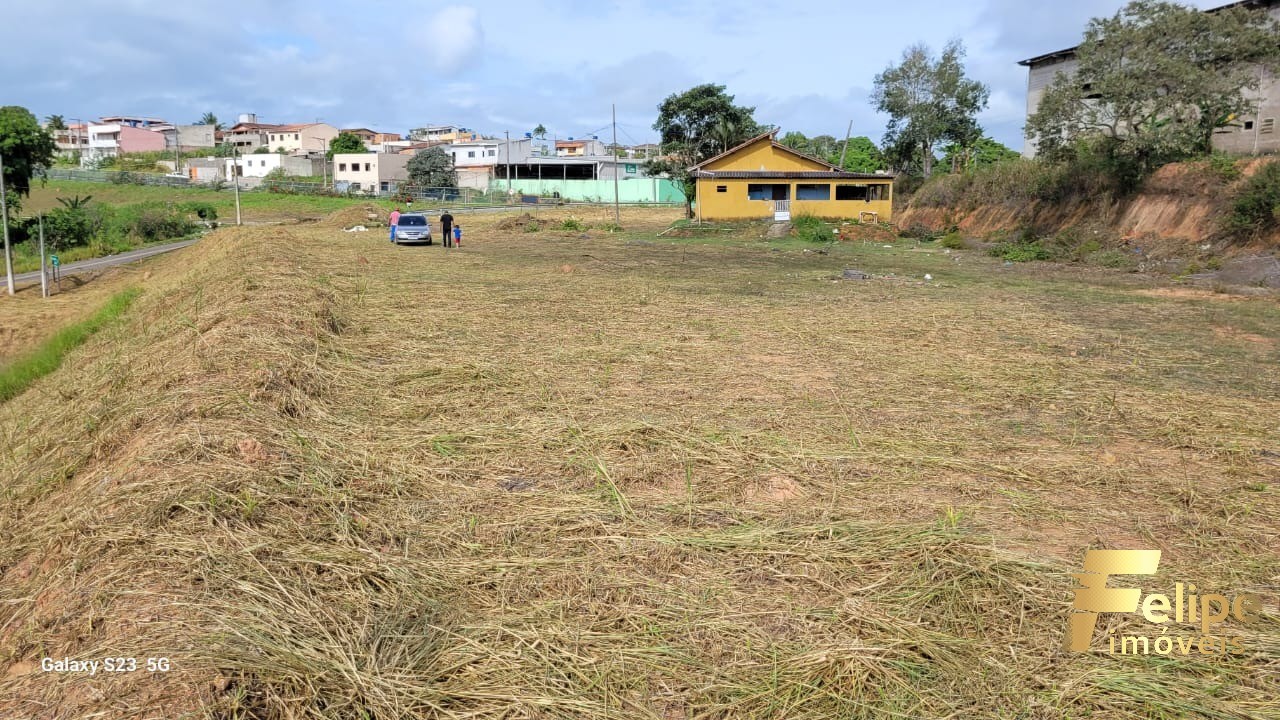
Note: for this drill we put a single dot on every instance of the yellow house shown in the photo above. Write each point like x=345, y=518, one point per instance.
x=761, y=179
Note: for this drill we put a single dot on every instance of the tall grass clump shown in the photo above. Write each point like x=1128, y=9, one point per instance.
x=18, y=375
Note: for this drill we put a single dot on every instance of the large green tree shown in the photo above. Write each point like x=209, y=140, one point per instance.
x=862, y=156
x=27, y=149
x=1154, y=81
x=346, y=142
x=432, y=167
x=986, y=151
x=210, y=119
x=930, y=102
x=695, y=125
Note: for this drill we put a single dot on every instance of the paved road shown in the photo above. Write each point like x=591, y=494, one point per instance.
x=104, y=262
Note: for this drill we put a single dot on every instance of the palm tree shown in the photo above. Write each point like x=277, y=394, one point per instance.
x=76, y=202
x=727, y=132
x=56, y=122
x=540, y=132
x=210, y=119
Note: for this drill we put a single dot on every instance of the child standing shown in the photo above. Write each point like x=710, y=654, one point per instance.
x=457, y=236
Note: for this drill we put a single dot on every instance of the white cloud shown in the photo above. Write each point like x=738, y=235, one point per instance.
x=454, y=37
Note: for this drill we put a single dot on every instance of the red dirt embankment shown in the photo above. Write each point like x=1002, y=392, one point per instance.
x=1180, y=204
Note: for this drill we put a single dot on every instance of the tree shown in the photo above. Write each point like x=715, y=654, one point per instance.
x=55, y=122
x=863, y=155
x=1153, y=83
x=540, y=132
x=986, y=151
x=346, y=142
x=27, y=149
x=929, y=101
x=210, y=119
x=696, y=125
x=75, y=202
x=432, y=167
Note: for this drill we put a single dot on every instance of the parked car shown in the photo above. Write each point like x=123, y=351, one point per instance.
x=413, y=228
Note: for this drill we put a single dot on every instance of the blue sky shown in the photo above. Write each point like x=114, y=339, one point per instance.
x=507, y=66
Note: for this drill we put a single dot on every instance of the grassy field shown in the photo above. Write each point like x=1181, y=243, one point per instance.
x=588, y=474
x=254, y=206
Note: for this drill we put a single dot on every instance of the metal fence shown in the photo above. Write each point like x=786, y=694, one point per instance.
x=121, y=177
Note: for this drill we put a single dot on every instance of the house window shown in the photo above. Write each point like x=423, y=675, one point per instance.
x=1268, y=125
x=492, y=153
x=813, y=191
x=851, y=192
x=471, y=153
x=295, y=136
x=342, y=167
x=366, y=167
x=722, y=188
x=1248, y=124
x=762, y=191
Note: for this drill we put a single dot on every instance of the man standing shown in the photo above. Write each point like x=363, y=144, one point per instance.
x=395, y=220
x=446, y=228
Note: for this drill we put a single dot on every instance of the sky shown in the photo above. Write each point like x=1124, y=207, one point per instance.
x=499, y=66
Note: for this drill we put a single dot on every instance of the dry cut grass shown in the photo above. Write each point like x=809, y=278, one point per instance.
x=556, y=476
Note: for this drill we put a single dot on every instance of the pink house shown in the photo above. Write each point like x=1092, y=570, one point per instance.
x=108, y=139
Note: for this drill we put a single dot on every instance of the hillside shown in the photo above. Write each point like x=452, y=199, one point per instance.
x=575, y=473
x=1178, y=209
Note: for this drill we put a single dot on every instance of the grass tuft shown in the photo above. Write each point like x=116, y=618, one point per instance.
x=19, y=374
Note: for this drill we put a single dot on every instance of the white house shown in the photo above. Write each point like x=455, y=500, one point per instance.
x=369, y=172
x=490, y=151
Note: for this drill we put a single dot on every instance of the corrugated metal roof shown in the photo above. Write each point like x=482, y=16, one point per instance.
x=798, y=174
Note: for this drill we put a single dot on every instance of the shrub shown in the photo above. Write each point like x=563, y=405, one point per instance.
x=68, y=227
x=158, y=224
x=952, y=240
x=1111, y=259
x=202, y=210
x=1256, y=209
x=1025, y=248
x=811, y=228
x=573, y=225
x=1224, y=166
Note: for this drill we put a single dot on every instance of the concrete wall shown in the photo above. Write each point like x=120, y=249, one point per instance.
x=629, y=191
x=192, y=137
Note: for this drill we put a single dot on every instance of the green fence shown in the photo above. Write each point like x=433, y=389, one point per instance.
x=632, y=190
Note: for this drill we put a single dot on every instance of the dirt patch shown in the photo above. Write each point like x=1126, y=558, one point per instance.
x=523, y=222
x=866, y=232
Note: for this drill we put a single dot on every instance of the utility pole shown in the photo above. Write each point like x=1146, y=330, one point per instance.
x=847, y=133
x=508, y=134
x=617, y=211
x=44, y=277
x=4, y=218
x=235, y=172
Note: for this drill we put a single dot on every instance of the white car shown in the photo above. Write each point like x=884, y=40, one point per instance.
x=413, y=228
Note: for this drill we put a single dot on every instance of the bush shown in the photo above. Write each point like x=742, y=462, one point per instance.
x=1256, y=209
x=952, y=240
x=811, y=228
x=156, y=224
x=1224, y=166
x=202, y=210
x=67, y=227
x=573, y=225
x=1026, y=247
